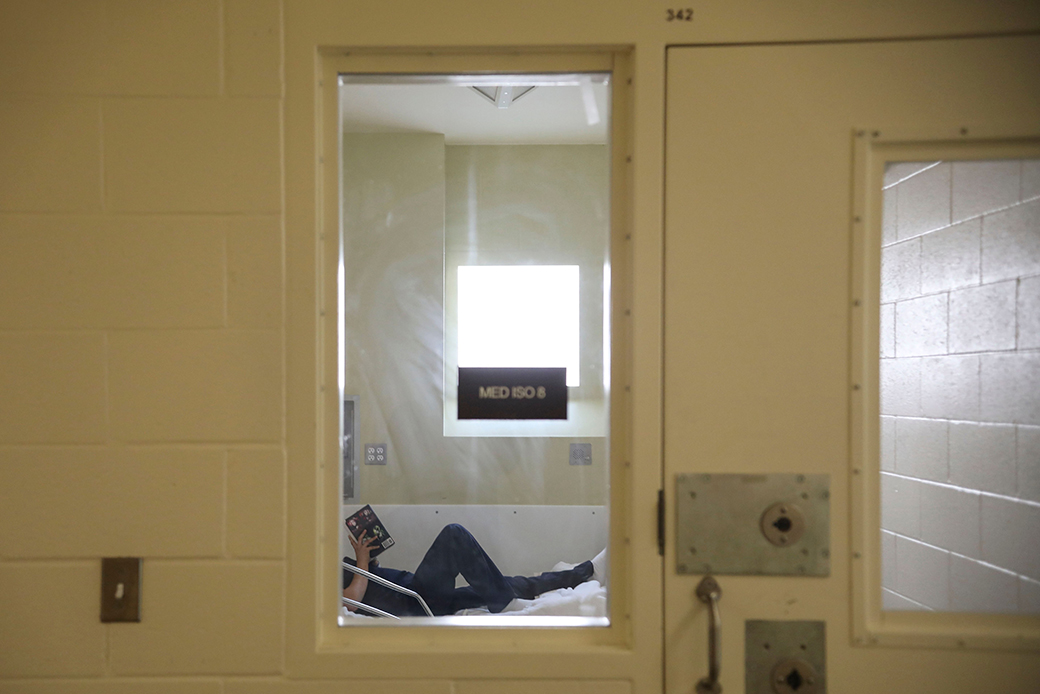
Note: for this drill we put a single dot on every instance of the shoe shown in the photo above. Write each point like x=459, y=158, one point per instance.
x=601, y=564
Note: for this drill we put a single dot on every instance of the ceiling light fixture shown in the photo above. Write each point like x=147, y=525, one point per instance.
x=503, y=96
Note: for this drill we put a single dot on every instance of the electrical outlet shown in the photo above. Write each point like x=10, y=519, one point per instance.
x=581, y=454
x=375, y=454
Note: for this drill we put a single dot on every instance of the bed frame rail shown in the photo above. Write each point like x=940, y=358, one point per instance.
x=387, y=584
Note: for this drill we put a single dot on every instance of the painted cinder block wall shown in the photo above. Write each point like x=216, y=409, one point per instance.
x=142, y=326
x=960, y=390
x=142, y=349
x=141, y=341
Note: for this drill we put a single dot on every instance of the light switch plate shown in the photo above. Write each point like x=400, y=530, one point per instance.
x=121, y=589
x=721, y=524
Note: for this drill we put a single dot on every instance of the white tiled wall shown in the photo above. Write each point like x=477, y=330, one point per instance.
x=960, y=386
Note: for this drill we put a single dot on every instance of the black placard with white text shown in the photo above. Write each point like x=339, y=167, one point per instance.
x=512, y=393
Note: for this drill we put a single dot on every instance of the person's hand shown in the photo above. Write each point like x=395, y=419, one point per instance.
x=362, y=548
x=359, y=584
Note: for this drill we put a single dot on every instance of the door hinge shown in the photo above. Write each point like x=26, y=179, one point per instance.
x=660, y=522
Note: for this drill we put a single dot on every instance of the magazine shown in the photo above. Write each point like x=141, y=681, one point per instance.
x=366, y=520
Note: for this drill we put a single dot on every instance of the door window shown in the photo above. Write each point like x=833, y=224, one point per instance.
x=960, y=386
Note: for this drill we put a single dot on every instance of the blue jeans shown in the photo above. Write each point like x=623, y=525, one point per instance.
x=456, y=551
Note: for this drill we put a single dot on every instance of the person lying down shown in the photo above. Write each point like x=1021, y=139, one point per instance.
x=455, y=551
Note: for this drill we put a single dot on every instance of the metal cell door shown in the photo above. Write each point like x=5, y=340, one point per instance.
x=759, y=314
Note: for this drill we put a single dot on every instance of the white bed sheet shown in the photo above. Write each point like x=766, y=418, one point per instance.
x=588, y=599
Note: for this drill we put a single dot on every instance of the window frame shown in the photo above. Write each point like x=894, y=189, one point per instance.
x=873, y=149
x=316, y=645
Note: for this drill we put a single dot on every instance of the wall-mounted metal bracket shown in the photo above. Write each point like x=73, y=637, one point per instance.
x=351, y=425
x=753, y=524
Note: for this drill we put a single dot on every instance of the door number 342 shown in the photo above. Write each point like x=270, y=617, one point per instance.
x=682, y=15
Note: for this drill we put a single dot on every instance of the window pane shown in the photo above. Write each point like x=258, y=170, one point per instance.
x=475, y=233
x=960, y=386
x=519, y=315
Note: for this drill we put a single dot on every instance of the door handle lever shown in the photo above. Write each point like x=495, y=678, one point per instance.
x=709, y=592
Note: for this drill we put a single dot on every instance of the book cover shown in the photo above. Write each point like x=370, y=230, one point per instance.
x=365, y=520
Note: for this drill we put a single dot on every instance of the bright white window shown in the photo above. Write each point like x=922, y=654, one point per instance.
x=519, y=316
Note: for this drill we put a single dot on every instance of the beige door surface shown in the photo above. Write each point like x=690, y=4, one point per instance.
x=758, y=317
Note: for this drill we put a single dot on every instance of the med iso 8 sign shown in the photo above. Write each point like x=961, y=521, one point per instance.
x=512, y=393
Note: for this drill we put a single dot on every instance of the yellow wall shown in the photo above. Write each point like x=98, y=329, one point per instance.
x=154, y=205
x=141, y=338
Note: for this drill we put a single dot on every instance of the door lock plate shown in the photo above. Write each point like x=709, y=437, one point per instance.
x=758, y=525
x=785, y=657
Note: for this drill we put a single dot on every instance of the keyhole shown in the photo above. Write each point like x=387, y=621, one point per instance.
x=794, y=680
x=783, y=524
